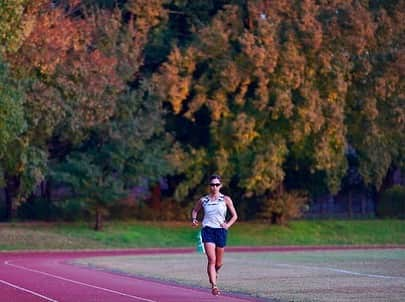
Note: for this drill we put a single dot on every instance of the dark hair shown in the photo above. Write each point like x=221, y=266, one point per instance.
x=215, y=176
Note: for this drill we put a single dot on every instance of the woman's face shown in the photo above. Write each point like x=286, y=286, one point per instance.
x=215, y=185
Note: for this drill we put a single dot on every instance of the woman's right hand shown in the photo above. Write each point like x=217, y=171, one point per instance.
x=195, y=223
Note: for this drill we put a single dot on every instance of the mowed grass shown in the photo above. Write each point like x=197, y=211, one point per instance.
x=322, y=232
x=137, y=234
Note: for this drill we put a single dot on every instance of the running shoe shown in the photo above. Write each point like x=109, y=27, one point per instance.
x=215, y=291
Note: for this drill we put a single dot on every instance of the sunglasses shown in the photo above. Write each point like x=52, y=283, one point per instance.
x=215, y=185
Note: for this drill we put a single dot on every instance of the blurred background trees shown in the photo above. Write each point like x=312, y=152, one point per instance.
x=289, y=101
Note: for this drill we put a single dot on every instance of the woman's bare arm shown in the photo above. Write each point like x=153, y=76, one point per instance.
x=234, y=215
x=194, y=212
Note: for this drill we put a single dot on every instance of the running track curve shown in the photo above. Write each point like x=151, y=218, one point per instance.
x=49, y=276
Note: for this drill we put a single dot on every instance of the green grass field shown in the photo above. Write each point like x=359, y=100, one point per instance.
x=137, y=234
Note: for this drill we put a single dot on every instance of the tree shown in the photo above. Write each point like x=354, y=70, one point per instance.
x=51, y=38
x=259, y=91
x=259, y=98
x=12, y=122
x=271, y=83
x=376, y=100
x=90, y=175
x=12, y=125
x=80, y=59
x=118, y=155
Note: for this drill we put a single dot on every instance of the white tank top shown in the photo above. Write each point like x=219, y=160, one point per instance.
x=214, y=211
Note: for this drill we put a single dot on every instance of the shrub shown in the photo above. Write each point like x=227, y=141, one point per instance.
x=170, y=210
x=281, y=209
x=37, y=209
x=2, y=210
x=71, y=209
x=392, y=203
x=43, y=209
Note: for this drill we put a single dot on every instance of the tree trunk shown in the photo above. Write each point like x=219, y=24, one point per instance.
x=156, y=198
x=350, y=204
x=322, y=206
x=11, y=191
x=46, y=190
x=247, y=18
x=363, y=204
x=46, y=195
x=99, y=220
x=386, y=183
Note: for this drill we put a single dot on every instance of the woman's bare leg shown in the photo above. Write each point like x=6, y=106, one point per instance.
x=211, y=257
x=219, y=255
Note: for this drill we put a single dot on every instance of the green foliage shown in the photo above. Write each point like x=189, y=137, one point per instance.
x=91, y=177
x=11, y=25
x=392, y=203
x=34, y=163
x=12, y=122
x=137, y=131
x=18, y=156
x=126, y=151
x=37, y=209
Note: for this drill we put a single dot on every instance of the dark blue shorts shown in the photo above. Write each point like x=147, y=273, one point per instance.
x=214, y=235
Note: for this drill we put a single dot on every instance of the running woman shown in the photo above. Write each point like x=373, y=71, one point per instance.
x=214, y=227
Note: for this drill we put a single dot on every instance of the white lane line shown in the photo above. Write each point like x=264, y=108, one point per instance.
x=343, y=271
x=363, y=274
x=28, y=291
x=77, y=282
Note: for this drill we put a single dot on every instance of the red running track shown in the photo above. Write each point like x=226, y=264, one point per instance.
x=48, y=276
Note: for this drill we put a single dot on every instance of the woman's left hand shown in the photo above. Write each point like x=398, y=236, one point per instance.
x=224, y=225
